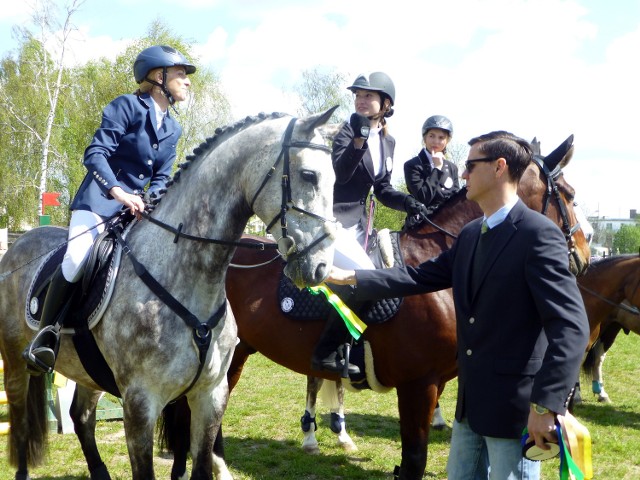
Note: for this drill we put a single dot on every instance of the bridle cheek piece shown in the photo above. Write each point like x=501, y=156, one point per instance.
x=287, y=247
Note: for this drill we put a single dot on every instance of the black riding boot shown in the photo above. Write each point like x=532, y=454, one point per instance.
x=40, y=354
x=332, y=350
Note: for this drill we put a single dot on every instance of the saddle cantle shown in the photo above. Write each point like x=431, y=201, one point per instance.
x=303, y=305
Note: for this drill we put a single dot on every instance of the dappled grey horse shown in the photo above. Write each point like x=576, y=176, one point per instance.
x=274, y=166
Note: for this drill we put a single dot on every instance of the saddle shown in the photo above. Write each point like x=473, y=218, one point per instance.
x=88, y=301
x=384, y=251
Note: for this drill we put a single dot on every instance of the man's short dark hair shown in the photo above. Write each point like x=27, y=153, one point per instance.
x=515, y=150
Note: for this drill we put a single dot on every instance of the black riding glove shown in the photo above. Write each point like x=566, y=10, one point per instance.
x=360, y=125
x=413, y=206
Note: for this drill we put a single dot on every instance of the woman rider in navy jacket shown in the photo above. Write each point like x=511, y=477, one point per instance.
x=362, y=158
x=134, y=147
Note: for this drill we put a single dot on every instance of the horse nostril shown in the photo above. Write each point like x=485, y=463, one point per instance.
x=321, y=273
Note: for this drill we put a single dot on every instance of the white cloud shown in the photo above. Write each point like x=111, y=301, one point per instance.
x=521, y=65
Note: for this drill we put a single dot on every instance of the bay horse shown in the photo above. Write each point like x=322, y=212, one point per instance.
x=415, y=351
x=610, y=289
x=178, y=344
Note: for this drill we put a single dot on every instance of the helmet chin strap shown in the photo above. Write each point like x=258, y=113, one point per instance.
x=164, y=89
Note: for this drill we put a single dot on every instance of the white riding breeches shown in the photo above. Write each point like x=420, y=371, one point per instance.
x=84, y=227
x=349, y=253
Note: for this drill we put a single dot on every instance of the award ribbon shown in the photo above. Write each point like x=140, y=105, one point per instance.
x=355, y=326
x=569, y=470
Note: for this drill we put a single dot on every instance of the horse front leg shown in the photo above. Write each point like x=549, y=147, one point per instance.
x=83, y=415
x=206, y=417
x=416, y=403
x=140, y=413
x=308, y=421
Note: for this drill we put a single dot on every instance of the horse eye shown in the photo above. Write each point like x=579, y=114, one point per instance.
x=309, y=176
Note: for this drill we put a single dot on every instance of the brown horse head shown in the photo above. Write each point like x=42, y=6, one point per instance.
x=544, y=188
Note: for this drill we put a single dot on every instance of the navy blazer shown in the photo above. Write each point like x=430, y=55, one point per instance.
x=522, y=331
x=429, y=184
x=354, y=178
x=127, y=151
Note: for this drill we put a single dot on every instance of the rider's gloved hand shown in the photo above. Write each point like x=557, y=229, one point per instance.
x=360, y=125
x=413, y=206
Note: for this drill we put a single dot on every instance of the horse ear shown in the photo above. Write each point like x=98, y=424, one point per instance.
x=560, y=155
x=310, y=123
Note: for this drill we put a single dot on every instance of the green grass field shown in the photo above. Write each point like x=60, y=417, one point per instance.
x=263, y=434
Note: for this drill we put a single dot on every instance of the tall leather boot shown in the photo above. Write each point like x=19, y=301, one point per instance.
x=329, y=351
x=40, y=354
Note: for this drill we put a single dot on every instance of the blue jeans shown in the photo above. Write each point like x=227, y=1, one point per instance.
x=474, y=457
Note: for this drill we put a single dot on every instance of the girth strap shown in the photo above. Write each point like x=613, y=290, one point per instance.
x=201, y=331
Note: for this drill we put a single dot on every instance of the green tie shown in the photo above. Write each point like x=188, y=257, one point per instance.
x=485, y=227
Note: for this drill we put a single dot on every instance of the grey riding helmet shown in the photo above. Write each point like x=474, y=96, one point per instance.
x=376, y=82
x=156, y=57
x=437, y=121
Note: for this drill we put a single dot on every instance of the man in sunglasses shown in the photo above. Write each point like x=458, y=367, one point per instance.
x=521, y=324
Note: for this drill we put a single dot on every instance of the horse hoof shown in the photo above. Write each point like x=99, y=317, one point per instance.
x=604, y=399
x=440, y=427
x=100, y=473
x=348, y=446
x=311, y=449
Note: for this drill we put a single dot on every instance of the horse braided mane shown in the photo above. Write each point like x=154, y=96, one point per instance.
x=220, y=135
x=602, y=262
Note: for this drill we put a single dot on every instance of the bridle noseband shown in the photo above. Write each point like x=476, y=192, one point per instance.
x=286, y=245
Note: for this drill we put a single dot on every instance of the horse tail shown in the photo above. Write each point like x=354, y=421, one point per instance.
x=329, y=395
x=174, y=426
x=37, y=425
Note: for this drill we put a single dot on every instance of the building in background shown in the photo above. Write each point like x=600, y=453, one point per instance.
x=605, y=228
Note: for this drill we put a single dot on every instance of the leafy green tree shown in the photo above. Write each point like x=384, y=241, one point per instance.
x=627, y=239
x=322, y=88
x=386, y=217
x=26, y=125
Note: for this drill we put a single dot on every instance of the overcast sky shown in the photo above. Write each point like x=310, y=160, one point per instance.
x=538, y=68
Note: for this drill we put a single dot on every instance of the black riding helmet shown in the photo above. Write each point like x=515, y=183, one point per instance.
x=376, y=82
x=438, y=121
x=160, y=56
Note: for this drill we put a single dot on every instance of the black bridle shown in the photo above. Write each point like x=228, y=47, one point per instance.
x=554, y=191
x=286, y=245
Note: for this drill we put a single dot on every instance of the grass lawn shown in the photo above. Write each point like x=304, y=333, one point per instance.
x=263, y=434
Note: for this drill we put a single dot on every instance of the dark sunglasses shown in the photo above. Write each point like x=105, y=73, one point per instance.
x=469, y=164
